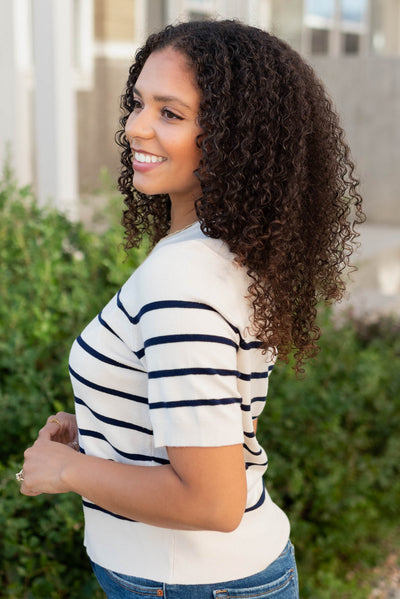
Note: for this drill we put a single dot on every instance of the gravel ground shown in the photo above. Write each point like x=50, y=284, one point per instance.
x=387, y=584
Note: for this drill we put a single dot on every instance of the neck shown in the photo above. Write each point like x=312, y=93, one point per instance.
x=172, y=231
x=181, y=221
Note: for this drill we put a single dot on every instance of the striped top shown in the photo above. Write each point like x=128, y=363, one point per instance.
x=170, y=362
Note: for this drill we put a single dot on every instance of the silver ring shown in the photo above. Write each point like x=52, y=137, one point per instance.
x=20, y=476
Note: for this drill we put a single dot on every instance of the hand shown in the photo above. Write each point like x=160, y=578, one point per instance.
x=44, y=465
x=61, y=428
x=45, y=460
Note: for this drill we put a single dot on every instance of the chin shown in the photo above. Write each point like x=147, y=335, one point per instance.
x=148, y=190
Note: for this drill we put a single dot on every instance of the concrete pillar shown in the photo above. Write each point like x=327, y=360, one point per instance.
x=141, y=29
x=259, y=13
x=175, y=11
x=55, y=105
x=16, y=79
x=335, y=39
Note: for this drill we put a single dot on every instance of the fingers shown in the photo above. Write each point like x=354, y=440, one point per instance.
x=61, y=419
x=74, y=445
x=48, y=431
x=56, y=420
x=20, y=476
x=60, y=428
x=33, y=470
x=28, y=451
x=57, y=428
x=24, y=490
x=53, y=422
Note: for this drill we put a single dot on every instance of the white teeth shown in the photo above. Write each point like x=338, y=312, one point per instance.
x=147, y=157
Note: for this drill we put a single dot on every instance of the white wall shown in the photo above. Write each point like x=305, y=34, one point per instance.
x=366, y=92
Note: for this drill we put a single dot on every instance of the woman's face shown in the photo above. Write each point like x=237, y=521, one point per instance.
x=162, y=128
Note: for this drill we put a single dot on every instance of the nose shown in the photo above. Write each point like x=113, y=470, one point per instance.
x=139, y=125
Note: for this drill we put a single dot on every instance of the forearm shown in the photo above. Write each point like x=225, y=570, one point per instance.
x=202, y=488
x=152, y=495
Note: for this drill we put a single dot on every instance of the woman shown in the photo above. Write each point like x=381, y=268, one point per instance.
x=235, y=165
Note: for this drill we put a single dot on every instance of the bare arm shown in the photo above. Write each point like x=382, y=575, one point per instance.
x=203, y=488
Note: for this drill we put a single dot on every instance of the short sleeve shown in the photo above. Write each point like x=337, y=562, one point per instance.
x=191, y=357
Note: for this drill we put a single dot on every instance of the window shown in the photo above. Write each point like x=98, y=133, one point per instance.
x=354, y=11
x=320, y=9
x=335, y=27
x=319, y=41
x=350, y=43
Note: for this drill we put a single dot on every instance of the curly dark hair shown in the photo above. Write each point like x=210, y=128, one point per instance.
x=277, y=179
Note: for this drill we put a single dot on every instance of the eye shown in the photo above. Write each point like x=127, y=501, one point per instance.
x=136, y=104
x=170, y=116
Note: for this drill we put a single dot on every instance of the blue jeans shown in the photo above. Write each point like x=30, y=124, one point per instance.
x=277, y=581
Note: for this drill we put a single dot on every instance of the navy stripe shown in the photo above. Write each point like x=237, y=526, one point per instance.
x=254, y=375
x=157, y=374
x=243, y=344
x=106, y=325
x=194, y=402
x=182, y=338
x=259, y=452
x=247, y=408
x=115, y=392
x=161, y=305
x=114, y=421
x=259, y=502
x=249, y=435
x=139, y=354
x=102, y=357
x=250, y=344
x=250, y=464
x=166, y=304
x=262, y=398
x=93, y=506
x=131, y=456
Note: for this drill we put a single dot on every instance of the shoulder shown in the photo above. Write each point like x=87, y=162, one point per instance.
x=196, y=266
x=198, y=269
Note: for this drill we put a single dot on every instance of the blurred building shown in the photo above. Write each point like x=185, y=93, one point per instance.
x=64, y=63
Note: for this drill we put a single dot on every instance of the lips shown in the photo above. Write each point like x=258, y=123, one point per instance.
x=147, y=158
x=144, y=161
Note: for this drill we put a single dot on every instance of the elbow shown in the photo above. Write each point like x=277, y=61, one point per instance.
x=226, y=509
x=225, y=518
x=228, y=524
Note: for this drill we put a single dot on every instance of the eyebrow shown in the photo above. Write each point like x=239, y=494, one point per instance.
x=165, y=99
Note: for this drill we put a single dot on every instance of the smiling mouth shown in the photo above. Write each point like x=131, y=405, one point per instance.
x=147, y=158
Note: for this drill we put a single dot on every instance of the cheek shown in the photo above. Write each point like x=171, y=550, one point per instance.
x=185, y=145
x=192, y=154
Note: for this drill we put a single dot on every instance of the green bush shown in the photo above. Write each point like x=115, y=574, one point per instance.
x=334, y=445
x=55, y=277
x=332, y=438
